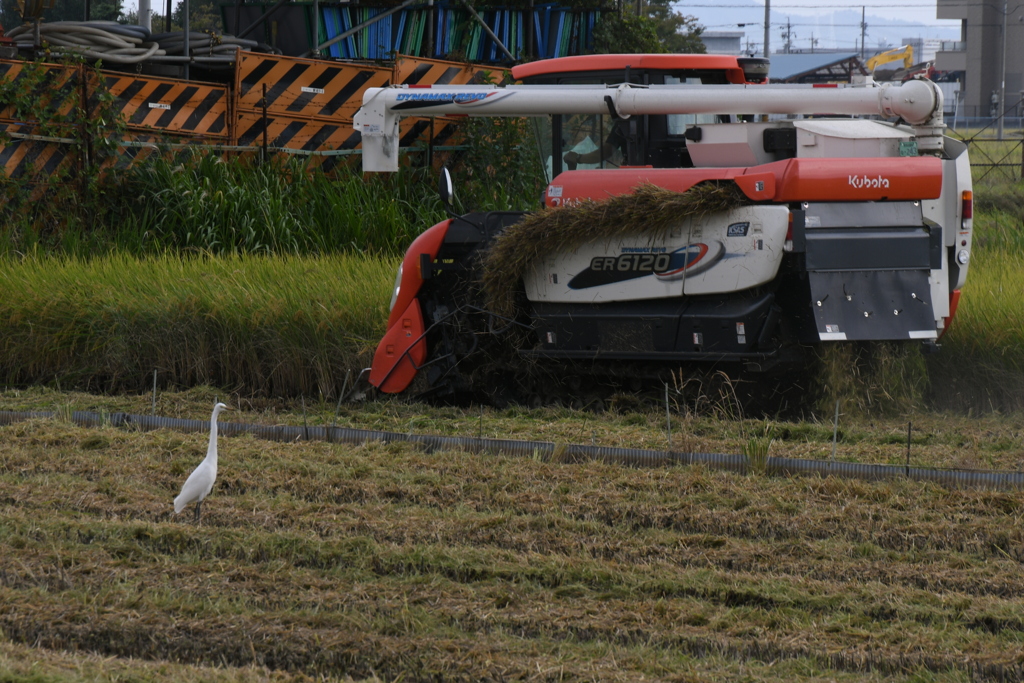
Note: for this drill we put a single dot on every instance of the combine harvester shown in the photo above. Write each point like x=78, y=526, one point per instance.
x=706, y=219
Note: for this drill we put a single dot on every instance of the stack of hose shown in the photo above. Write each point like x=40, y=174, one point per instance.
x=128, y=44
x=206, y=44
x=105, y=40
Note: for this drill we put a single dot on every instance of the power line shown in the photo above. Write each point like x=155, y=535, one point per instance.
x=835, y=8
x=856, y=26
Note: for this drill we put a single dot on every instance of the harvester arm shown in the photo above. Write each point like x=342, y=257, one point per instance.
x=917, y=102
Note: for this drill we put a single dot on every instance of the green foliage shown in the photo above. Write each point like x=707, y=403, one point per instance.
x=981, y=366
x=658, y=29
x=197, y=201
x=68, y=194
x=501, y=170
x=203, y=15
x=757, y=450
x=203, y=202
x=625, y=33
x=1003, y=226
x=64, y=10
x=677, y=32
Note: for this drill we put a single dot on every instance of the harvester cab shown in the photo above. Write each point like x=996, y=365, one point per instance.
x=695, y=216
x=607, y=140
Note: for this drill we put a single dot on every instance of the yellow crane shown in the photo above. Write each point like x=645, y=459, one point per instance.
x=906, y=53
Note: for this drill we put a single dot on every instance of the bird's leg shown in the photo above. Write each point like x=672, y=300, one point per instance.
x=198, y=503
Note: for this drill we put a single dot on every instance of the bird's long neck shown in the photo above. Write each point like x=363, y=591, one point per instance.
x=211, y=450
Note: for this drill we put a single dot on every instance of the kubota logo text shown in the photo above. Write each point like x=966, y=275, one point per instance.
x=863, y=182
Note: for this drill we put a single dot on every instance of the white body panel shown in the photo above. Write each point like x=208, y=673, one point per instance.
x=726, y=252
x=850, y=138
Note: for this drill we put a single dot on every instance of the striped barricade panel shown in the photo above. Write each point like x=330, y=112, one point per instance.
x=304, y=87
x=311, y=136
x=294, y=133
x=286, y=135
x=137, y=147
x=39, y=165
x=35, y=160
x=416, y=131
x=52, y=92
x=419, y=71
x=165, y=105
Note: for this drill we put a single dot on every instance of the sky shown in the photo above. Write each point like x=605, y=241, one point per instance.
x=832, y=23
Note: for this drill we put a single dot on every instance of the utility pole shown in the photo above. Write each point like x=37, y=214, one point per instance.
x=863, y=33
x=788, y=35
x=767, y=25
x=1001, y=107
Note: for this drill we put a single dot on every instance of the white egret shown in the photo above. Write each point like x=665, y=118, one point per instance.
x=200, y=482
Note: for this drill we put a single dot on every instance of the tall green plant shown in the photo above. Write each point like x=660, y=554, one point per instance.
x=203, y=202
x=198, y=201
x=501, y=166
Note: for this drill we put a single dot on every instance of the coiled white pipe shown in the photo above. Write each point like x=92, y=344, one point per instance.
x=89, y=40
x=126, y=44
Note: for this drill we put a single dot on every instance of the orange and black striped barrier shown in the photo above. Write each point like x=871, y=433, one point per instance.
x=187, y=108
x=304, y=88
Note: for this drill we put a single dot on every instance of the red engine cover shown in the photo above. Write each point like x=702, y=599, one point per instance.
x=792, y=180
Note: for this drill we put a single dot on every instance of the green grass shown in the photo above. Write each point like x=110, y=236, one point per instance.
x=281, y=325
x=197, y=201
x=981, y=364
x=204, y=203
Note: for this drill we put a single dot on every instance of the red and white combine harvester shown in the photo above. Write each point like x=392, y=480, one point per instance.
x=849, y=219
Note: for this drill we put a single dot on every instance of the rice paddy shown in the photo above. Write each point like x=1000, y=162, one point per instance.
x=293, y=325
x=281, y=325
x=318, y=560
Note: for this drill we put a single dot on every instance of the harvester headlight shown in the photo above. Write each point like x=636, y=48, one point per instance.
x=398, y=287
x=963, y=256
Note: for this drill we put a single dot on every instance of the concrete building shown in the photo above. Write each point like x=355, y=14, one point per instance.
x=924, y=50
x=980, y=51
x=723, y=42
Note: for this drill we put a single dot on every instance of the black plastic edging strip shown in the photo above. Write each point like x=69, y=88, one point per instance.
x=568, y=453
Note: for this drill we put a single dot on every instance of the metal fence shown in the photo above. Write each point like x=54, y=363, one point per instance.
x=992, y=157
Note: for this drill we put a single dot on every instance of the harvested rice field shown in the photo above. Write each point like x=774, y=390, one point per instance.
x=317, y=561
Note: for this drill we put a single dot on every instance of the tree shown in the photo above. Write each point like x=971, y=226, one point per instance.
x=657, y=28
x=677, y=32
x=62, y=10
x=625, y=32
x=203, y=15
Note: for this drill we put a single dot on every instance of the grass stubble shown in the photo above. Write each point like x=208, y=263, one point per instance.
x=382, y=561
